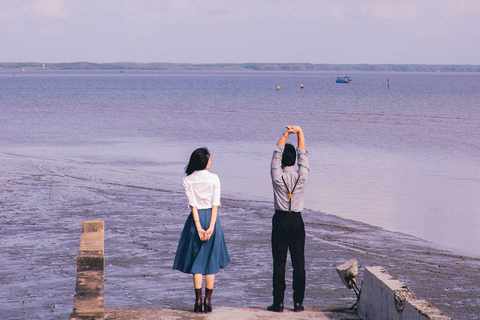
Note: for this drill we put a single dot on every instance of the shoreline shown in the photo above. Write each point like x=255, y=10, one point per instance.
x=454, y=252
x=45, y=202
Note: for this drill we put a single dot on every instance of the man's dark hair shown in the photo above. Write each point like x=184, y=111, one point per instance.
x=198, y=160
x=289, y=155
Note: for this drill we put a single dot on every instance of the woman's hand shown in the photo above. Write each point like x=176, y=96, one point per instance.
x=208, y=234
x=201, y=235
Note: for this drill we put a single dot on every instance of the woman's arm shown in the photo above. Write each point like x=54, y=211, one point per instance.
x=213, y=220
x=196, y=219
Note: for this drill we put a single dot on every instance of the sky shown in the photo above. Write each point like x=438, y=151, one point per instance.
x=241, y=31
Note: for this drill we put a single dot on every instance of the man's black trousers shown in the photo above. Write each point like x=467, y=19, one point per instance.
x=288, y=233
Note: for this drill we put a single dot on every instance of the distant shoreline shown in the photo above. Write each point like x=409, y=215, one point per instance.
x=239, y=66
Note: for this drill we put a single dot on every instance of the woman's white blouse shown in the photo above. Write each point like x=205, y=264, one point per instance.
x=202, y=189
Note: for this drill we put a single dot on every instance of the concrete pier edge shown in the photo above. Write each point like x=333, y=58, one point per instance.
x=89, y=300
x=384, y=297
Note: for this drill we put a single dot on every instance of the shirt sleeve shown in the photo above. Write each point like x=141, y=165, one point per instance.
x=302, y=162
x=189, y=193
x=276, y=167
x=216, y=192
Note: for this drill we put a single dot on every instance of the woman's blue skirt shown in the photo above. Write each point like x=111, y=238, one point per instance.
x=201, y=257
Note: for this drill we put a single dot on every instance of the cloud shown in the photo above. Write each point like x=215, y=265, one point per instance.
x=9, y=11
x=415, y=9
x=53, y=9
x=461, y=6
x=391, y=10
x=238, y=30
x=335, y=11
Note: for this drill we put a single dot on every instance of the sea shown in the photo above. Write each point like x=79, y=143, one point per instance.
x=398, y=151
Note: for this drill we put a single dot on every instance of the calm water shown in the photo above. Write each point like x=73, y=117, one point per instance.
x=110, y=145
x=404, y=158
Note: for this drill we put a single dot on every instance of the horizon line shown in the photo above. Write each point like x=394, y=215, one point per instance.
x=245, y=63
x=253, y=66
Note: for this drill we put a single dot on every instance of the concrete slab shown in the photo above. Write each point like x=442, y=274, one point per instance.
x=385, y=297
x=92, y=243
x=93, y=226
x=222, y=313
x=89, y=300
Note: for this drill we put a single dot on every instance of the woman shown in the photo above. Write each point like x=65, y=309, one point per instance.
x=201, y=248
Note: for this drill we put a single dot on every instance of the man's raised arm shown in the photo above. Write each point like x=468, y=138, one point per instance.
x=300, y=136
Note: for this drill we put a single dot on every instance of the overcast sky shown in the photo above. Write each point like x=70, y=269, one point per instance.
x=238, y=31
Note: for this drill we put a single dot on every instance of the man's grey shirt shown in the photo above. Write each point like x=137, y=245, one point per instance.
x=290, y=175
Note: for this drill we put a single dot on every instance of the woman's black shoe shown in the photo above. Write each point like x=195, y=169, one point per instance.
x=198, y=300
x=207, y=304
x=297, y=307
x=276, y=307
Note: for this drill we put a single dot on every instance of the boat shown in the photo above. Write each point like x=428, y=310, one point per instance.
x=343, y=80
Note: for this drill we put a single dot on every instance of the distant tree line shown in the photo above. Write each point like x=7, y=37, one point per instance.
x=240, y=66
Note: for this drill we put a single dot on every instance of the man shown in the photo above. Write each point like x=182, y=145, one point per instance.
x=288, y=230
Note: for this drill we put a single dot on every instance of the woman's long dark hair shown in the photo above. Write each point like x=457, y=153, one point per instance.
x=198, y=160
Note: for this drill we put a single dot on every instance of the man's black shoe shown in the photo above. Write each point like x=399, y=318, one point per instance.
x=298, y=307
x=276, y=307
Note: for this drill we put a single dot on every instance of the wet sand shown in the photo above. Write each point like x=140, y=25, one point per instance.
x=43, y=203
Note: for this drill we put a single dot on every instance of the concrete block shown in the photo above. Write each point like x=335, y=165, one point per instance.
x=91, y=255
x=347, y=272
x=89, y=301
x=384, y=297
x=381, y=296
x=93, y=226
x=89, y=297
x=420, y=309
x=86, y=263
x=92, y=243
